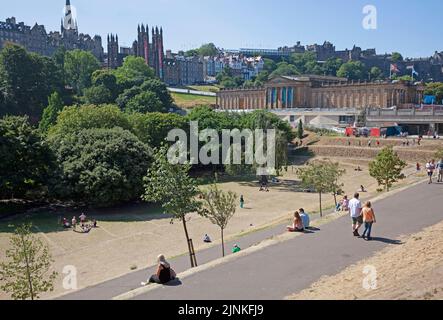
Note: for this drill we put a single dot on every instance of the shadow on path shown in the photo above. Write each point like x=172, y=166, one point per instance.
x=388, y=241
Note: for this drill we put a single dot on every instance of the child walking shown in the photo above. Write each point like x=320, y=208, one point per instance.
x=242, y=202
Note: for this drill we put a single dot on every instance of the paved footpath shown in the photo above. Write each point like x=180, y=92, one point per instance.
x=279, y=270
x=288, y=267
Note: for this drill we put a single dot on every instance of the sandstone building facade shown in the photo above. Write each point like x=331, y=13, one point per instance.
x=312, y=92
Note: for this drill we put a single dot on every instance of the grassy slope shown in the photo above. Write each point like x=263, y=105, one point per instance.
x=189, y=101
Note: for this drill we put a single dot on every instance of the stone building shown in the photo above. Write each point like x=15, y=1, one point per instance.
x=36, y=39
x=182, y=71
x=322, y=92
x=152, y=52
x=113, y=59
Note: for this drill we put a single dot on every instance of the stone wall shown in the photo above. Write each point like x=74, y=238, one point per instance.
x=408, y=155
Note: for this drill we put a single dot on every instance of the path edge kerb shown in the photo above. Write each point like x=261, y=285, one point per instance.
x=262, y=245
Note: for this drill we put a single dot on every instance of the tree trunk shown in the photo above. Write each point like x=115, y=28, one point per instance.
x=187, y=240
x=28, y=272
x=321, y=210
x=223, y=242
x=335, y=199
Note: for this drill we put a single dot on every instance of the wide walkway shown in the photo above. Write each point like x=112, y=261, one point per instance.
x=288, y=267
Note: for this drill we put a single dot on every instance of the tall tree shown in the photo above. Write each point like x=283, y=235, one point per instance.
x=219, y=207
x=317, y=175
x=50, y=114
x=27, y=273
x=387, y=168
x=171, y=185
x=26, y=160
x=334, y=172
x=79, y=66
x=26, y=81
x=101, y=167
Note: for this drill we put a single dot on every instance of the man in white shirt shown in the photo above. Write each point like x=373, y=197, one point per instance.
x=355, y=212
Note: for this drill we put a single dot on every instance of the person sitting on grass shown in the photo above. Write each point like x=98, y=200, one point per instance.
x=66, y=224
x=164, y=272
x=343, y=204
x=297, y=225
x=206, y=239
x=86, y=228
x=305, y=218
x=236, y=248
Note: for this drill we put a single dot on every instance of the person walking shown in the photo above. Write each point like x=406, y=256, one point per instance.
x=440, y=170
x=430, y=168
x=242, y=202
x=355, y=208
x=368, y=219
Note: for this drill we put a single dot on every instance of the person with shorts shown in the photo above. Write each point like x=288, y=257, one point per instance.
x=355, y=208
x=430, y=168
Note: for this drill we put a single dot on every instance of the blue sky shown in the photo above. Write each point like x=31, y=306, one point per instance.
x=412, y=27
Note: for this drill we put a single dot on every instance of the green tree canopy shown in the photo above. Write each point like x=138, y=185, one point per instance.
x=74, y=119
x=376, y=73
x=353, y=70
x=50, y=114
x=134, y=71
x=107, y=79
x=387, y=168
x=332, y=65
x=27, y=162
x=285, y=69
x=145, y=102
x=151, y=96
x=79, y=66
x=153, y=128
x=99, y=94
x=321, y=176
x=26, y=81
x=396, y=57
x=101, y=167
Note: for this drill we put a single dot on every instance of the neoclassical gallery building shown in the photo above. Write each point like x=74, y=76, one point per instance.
x=321, y=92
